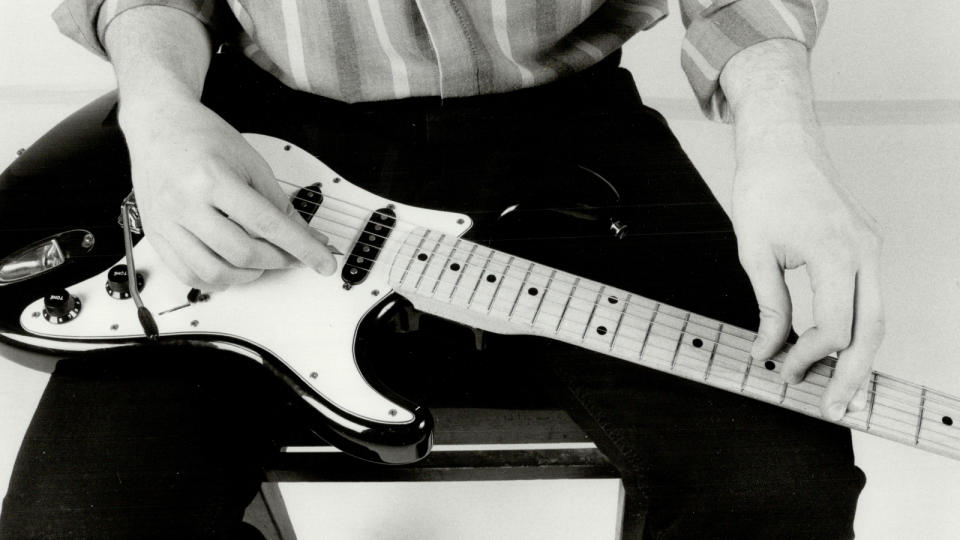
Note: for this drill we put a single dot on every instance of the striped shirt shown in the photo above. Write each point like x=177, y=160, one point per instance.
x=370, y=50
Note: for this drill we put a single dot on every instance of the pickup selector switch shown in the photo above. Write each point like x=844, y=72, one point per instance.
x=118, y=284
x=60, y=307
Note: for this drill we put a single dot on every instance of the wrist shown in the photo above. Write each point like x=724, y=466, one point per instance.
x=769, y=83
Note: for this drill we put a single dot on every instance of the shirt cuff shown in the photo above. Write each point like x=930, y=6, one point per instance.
x=86, y=21
x=725, y=27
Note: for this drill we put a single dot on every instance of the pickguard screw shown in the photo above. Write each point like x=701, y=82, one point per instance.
x=336, y=180
x=35, y=314
x=392, y=412
x=21, y=151
x=392, y=206
x=460, y=221
x=347, y=286
x=314, y=375
x=194, y=323
x=287, y=148
x=114, y=326
x=375, y=292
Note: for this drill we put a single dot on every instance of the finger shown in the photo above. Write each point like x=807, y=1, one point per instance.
x=206, y=264
x=766, y=276
x=833, y=297
x=229, y=241
x=854, y=364
x=172, y=261
x=859, y=401
x=258, y=215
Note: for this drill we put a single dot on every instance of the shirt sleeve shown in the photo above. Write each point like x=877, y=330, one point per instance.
x=719, y=29
x=86, y=21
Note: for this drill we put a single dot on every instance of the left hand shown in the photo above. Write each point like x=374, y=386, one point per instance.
x=788, y=211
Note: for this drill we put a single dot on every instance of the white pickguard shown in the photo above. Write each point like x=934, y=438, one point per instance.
x=306, y=320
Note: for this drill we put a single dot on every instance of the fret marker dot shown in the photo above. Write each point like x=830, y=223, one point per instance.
x=770, y=365
x=491, y=278
x=947, y=421
x=697, y=342
x=601, y=330
x=422, y=257
x=455, y=267
x=532, y=291
x=612, y=299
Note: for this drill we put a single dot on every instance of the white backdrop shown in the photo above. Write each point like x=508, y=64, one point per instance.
x=889, y=78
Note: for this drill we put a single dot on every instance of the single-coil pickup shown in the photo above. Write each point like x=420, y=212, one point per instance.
x=307, y=201
x=367, y=248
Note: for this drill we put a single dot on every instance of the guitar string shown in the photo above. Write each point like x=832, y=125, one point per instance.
x=505, y=275
x=505, y=266
x=717, y=353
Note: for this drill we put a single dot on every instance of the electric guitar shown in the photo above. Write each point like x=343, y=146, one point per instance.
x=388, y=250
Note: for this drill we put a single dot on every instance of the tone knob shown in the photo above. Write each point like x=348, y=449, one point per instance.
x=118, y=282
x=60, y=307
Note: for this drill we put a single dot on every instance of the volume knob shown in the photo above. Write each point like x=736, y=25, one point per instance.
x=118, y=282
x=60, y=307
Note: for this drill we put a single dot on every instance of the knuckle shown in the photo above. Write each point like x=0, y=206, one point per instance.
x=268, y=226
x=839, y=339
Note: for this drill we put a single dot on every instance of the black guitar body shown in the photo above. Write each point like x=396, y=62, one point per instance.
x=71, y=182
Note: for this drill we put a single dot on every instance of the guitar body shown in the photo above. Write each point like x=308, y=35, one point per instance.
x=302, y=326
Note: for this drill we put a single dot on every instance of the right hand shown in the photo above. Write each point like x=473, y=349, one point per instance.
x=208, y=202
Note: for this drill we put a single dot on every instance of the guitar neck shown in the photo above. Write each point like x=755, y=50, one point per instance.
x=487, y=289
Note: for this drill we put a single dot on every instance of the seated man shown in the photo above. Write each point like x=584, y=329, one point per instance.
x=473, y=106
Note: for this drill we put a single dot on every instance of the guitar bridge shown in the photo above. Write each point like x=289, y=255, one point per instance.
x=367, y=248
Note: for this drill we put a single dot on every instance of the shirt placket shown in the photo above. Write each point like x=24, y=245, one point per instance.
x=450, y=35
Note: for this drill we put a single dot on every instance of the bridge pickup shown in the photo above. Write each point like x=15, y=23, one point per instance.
x=307, y=201
x=368, y=245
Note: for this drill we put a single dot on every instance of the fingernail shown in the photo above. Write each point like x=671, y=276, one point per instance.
x=326, y=267
x=836, y=411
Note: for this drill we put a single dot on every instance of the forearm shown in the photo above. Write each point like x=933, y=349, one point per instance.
x=158, y=55
x=770, y=97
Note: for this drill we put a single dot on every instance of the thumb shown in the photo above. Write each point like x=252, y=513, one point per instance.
x=773, y=299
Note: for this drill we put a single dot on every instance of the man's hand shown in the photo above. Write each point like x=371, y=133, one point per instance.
x=209, y=203
x=788, y=211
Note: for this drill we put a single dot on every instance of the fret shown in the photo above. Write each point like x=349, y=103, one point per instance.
x=464, y=267
x=430, y=258
x=566, y=305
x=593, y=311
x=413, y=257
x=939, y=432
x=503, y=277
x=623, y=313
x=872, y=401
x=482, y=271
x=446, y=264
x=523, y=285
x=783, y=393
x=894, y=406
x=923, y=402
x=646, y=335
x=480, y=277
x=676, y=352
x=546, y=290
x=746, y=375
x=763, y=383
x=713, y=353
x=694, y=356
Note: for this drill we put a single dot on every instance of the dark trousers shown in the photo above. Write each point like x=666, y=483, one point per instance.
x=164, y=441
